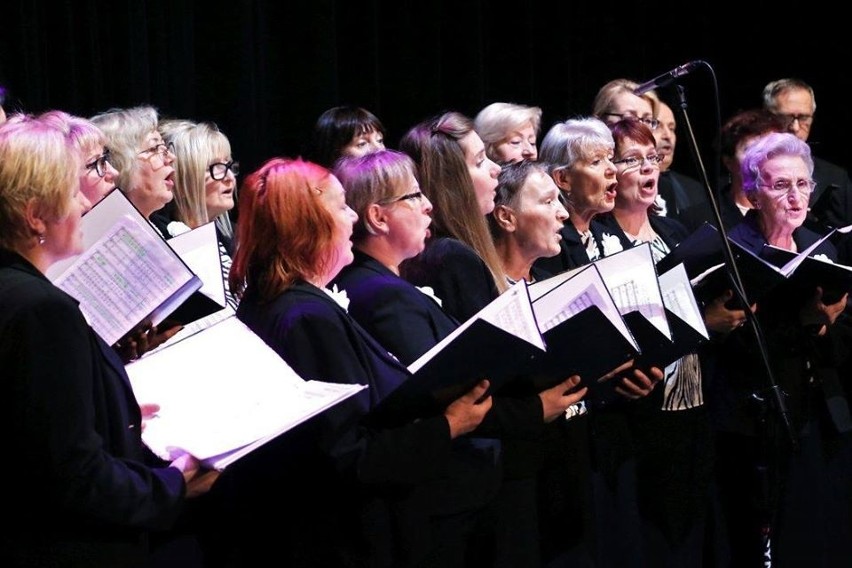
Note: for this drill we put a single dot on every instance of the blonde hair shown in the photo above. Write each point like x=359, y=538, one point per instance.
x=495, y=122
x=38, y=163
x=82, y=132
x=196, y=145
x=605, y=97
x=370, y=179
x=125, y=131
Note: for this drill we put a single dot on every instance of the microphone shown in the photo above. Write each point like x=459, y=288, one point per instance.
x=665, y=78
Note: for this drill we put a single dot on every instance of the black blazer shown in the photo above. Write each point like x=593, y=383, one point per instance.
x=82, y=492
x=410, y=323
x=456, y=274
x=680, y=192
x=670, y=230
x=837, y=211
x=695, y=215
x=572, y=253
x=402, y=318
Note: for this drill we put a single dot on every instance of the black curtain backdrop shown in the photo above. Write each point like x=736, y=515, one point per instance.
x=264, y=70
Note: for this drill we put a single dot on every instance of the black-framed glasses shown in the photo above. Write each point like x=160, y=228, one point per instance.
x=651, y=123
x=414, y=197
x=99, y=164
x=802, y=119
x=219, y=170
x=162, y=149
x=631, y=162
x=781, y=188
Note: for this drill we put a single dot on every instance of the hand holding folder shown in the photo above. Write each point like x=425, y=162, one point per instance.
x=496, y=344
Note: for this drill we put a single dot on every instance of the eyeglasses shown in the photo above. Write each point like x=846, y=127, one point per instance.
x=631, y=162
x=99, y=164
x=416, y=196
x=781, y=188
x=162, y=149
x=651, y=123
x=219, y=170
x=803, y=119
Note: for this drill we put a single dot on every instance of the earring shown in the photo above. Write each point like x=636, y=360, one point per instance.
x=41, y=239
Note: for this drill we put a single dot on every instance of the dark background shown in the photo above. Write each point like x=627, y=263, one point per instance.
x=264, y=70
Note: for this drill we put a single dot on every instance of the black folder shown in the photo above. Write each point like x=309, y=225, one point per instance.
x=835, y=279
x=702, y=251
x=657, y=349
x=478, y=350
x=586, y=345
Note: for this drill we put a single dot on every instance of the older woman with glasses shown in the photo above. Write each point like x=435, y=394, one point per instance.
x=205, y=179
x=99, y=176
x=205, y=185
x=143, y=160
x=808, y=513
x=672, y=430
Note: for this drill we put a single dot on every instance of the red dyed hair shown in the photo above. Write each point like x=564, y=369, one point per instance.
x=285, y=233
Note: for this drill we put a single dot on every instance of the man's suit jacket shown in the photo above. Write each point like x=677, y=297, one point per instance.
x=80, y=490
x=831, y=200
x=680, y=192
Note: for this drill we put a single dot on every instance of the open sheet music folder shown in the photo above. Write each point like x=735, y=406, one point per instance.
x=812, y=271
x=584, y=333
x=127, y=272
x=701, y=253
x=199, y=249
x=224, y=393
x=495, y=344
x=685, y=319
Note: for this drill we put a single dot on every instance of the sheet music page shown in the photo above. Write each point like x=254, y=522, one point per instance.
x=583, y=289
x=680, y=300
x=542, y=287
x=511, y=312
x=223, y=390
x=199, y=249
x=122, y=278
x=631, y=278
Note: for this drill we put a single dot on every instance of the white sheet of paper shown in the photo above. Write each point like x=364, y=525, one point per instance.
x=222, y=391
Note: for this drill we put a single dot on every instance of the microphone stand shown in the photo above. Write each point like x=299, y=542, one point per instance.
x=775, y=393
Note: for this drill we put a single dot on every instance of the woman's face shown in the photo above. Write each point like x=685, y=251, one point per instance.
x=482, y=171
x=591, y=183
x=539, y=217
x=98, y=175
x=518, y=145
x=408, y=218
x=64, y=237
x=219, y=193
x=783, y=210
x=363, y=144
x=333, y=199
x=637, y=182
x=151, y=180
